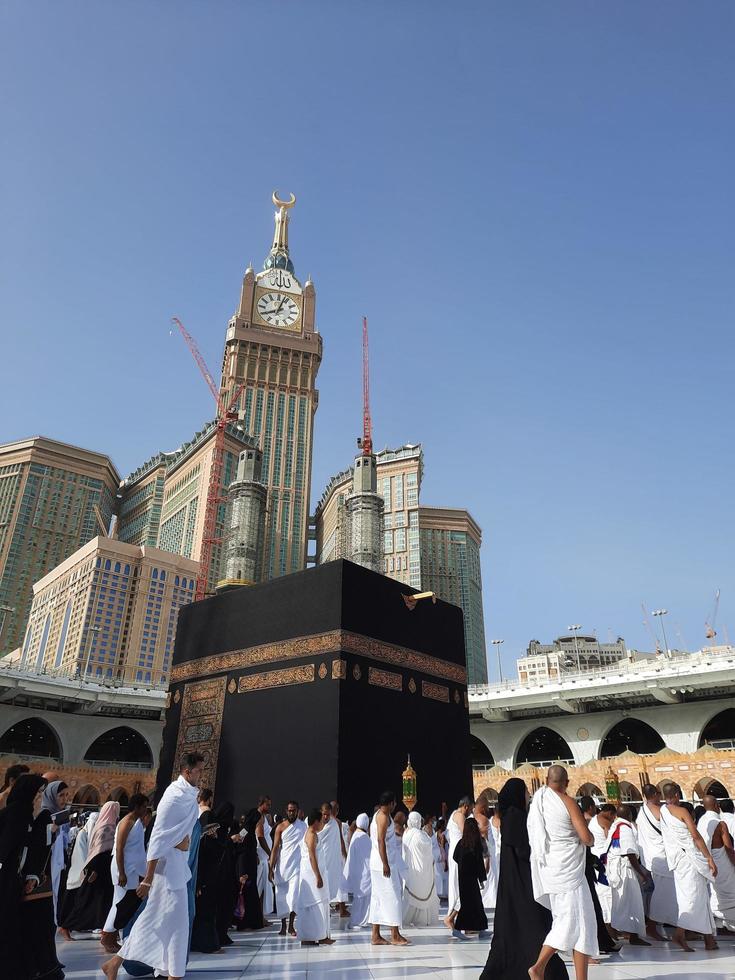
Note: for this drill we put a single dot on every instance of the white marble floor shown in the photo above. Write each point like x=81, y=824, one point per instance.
x=265, y=956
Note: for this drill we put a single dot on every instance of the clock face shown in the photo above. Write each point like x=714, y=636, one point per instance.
x=277, y=309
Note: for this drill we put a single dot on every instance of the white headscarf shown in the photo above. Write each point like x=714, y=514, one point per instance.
x=414, y=820
x=362, y=822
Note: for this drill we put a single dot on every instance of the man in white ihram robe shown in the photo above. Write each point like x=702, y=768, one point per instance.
x=627, y=914
x=385, y=879
x=356, y=878
x=662, y=907
x=599, y=827
x=558, y=836
x=455, y=829
x=285, y=863
x=693, y=867
x=420, y=901
x=331, y=857
x=160, y=935
x=717, y=837
x=312, y=903
x=265, y=836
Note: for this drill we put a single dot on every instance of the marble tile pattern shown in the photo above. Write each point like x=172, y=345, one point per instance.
x=433, y=955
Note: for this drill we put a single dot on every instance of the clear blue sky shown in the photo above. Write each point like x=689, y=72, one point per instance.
x=533, y=202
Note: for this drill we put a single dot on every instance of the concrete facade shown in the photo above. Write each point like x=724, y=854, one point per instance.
x=679, y=725
x=52, y=722
x=75, y=733
x=245, y=522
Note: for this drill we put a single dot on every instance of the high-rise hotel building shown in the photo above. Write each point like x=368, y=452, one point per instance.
x=50, y=497
x=450, y=566
x=164, y=500
x=432, y=548
x=399, y=473
x=274, y=351
x=109, y=611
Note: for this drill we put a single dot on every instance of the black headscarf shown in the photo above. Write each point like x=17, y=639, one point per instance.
x=24, y=792
x=224, y=815
x=17, y=816
x=512, y=813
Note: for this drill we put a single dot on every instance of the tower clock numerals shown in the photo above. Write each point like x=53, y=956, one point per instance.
x=277, y=309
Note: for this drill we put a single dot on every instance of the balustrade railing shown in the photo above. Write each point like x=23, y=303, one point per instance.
x=673, y=667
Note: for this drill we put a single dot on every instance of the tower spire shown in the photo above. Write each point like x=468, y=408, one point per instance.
x=278, y=257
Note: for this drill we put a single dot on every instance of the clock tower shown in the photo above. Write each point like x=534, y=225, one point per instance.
x=274, y=351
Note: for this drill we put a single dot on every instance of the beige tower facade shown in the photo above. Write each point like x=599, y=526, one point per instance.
x=50, y=494
x=109, y=611
x=274, y=351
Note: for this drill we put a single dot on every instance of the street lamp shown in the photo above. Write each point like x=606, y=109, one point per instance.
x=497, y=644
x=573, y=630
x=661, y=613
x=90, y=629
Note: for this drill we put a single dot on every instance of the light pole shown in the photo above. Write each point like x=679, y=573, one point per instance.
x=497, y=644
x=661, y=613
x=90, y=629
x=573, y=630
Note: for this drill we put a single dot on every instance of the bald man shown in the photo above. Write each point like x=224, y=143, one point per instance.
x=717, y=837
x=559, y=837
x=693, y=866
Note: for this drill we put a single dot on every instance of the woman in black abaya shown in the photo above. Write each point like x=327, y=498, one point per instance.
x=521, y=924
x=247, y=872
x=468, y=855
x=204, y=938
x=37, y=925
x=16, y=820
x=227, y=886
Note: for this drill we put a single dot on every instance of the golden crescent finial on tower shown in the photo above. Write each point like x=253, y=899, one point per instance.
x=283, y=204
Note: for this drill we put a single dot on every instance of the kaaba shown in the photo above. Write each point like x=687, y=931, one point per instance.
x=319, y=686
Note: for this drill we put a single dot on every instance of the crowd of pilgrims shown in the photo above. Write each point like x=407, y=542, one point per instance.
x=195, y=873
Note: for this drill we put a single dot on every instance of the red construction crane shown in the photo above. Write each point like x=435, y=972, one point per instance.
x=366, y=443
x=225, y=414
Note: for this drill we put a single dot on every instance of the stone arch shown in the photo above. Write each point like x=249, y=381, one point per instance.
x=668, y=779
x=87, y=794
x=630, y=734
x=720, y=728
x=589, y=789
x=121, y=744
x=543, y=745
x=119, y=795
x=708, y=784
x=33, y=737
x=481, y=754
x=629, y=793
